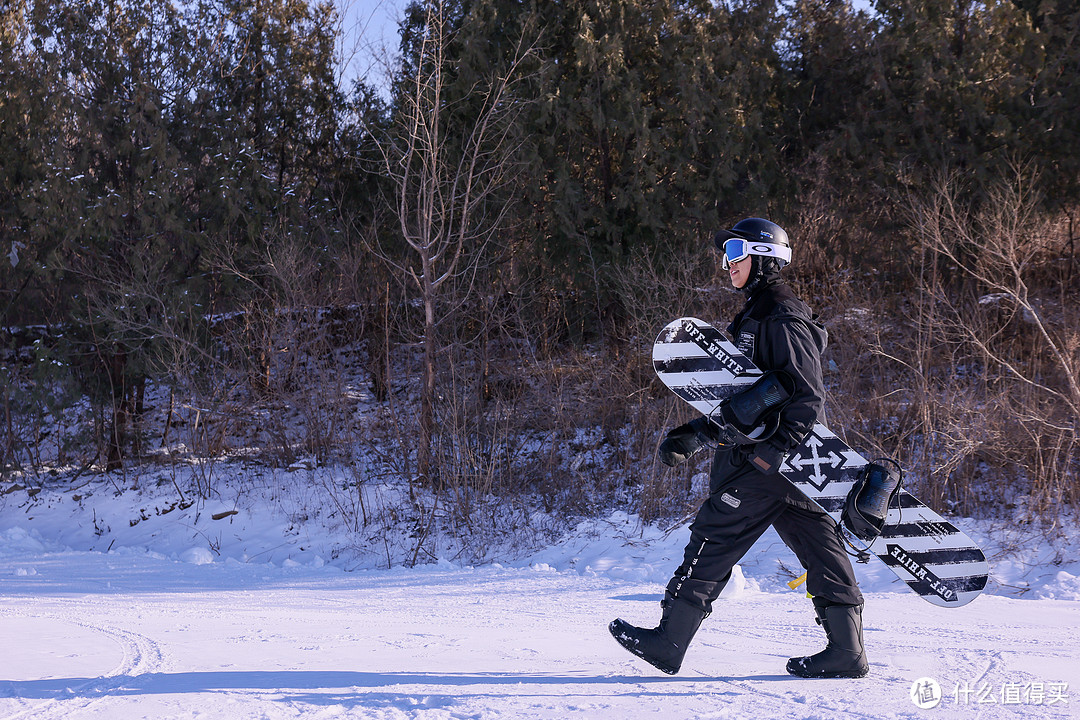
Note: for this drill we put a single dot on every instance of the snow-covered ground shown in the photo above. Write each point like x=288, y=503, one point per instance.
x=252, y=615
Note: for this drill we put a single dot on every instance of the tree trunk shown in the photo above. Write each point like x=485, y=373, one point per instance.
x=117, y=363
x=427, y=397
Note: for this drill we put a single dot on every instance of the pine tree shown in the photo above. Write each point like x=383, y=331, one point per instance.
x=654, y=125
x=1047, y=102
x=946, y=74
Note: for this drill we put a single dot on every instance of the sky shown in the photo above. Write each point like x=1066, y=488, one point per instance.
x=369, y=36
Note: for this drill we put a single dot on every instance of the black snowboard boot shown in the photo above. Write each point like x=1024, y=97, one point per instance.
x=844, y=656
x=664, y=645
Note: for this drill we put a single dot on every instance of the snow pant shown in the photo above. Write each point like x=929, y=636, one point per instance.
x=742, y=504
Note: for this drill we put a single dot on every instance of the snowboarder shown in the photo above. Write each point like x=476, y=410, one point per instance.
x=747, y=493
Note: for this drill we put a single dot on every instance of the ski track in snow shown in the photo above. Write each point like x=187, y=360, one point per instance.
x=162, y=639
x=140, y=656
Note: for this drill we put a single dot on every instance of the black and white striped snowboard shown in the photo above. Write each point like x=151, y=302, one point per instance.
x=926, y=551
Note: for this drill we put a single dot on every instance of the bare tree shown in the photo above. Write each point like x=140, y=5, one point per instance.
x=994, y=318
x=448, y=179
x=996, y=245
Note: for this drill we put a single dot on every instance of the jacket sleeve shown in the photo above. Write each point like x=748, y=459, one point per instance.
x=791, y=344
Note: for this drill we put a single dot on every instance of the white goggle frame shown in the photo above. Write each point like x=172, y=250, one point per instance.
x=736, y=249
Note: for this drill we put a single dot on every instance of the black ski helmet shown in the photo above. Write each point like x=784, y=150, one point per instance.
x=762, y=237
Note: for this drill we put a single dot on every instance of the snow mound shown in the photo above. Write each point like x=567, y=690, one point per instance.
x=17, y=541
x=197, y=556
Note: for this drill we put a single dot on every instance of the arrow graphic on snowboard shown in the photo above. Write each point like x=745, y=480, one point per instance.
x=926, y=551
x=799, y=463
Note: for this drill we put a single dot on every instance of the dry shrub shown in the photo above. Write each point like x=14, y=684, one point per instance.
x=993, y=361
x=574, y=428
x=689, y=282
x=834, y=227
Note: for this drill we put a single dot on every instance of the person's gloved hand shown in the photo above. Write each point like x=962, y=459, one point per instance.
x=682, y=442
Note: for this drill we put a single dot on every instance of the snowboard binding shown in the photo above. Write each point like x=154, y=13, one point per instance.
x=753, y=415
x=867, y=504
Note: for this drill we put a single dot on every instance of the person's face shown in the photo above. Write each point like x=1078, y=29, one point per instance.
x=740, y=272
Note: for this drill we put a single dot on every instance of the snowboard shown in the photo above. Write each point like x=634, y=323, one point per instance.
x=926, y=551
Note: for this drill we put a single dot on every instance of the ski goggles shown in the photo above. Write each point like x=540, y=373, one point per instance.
x=736, y=249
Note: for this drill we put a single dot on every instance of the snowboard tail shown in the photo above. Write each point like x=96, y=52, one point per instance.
x=930, y=554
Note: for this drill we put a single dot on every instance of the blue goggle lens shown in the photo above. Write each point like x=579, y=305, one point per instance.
x=735, y=249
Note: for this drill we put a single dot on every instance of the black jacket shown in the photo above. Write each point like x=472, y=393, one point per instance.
x=778, y=332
